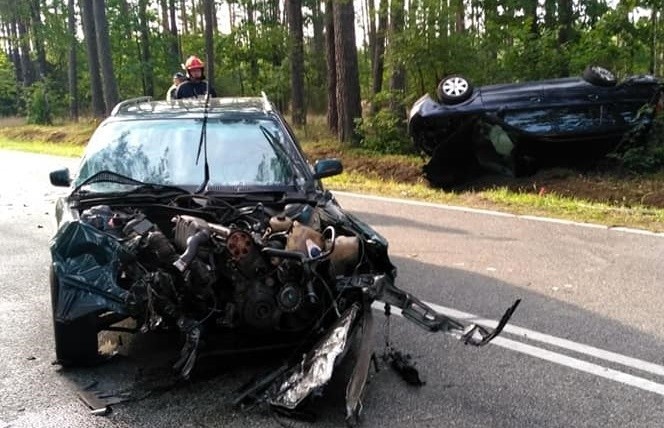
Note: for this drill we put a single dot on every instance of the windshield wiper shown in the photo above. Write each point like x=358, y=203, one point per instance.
x=156, y=188
x=274, y=196
x=114, y=177
x=202, y=143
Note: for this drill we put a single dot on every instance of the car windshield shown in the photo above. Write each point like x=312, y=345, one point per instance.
x=246, y=153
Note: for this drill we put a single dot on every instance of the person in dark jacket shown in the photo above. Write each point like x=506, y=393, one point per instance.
x=196, y=85
x=178, y=78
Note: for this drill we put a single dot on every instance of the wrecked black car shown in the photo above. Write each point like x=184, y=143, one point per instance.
x=516, y=128
x=204, y=218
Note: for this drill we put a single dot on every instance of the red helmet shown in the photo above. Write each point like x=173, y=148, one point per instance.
x=193, y=62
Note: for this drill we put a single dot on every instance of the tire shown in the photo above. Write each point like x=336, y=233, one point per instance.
x=76, y=341
x=454, y=89
x=599, y=76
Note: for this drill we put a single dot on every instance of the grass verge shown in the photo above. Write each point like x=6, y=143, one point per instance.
x=399, y=176
x=502, y=199
x=58, y=149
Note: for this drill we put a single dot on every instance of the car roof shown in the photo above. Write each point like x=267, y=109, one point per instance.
x=145, y=107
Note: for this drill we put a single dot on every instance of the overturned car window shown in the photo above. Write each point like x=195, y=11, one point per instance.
x=165, y=152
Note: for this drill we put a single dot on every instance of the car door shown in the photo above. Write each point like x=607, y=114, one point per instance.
x=518, y=105
x=575, y=106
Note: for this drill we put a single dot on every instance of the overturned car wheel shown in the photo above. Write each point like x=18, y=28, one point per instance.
x=599, y=76
x=75, y=341
x=454, y=89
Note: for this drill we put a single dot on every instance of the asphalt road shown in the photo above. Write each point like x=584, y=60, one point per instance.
x=585, y=348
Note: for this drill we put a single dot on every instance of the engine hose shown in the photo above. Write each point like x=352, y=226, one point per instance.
x=193, y=242
x=313, y=297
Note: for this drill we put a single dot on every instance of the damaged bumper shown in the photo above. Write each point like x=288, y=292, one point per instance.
x=315, y=368
x=381, y=288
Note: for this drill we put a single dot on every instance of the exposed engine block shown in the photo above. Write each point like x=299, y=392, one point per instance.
x=268, y=272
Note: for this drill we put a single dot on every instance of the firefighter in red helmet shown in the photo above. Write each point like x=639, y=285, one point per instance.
x=196, y=85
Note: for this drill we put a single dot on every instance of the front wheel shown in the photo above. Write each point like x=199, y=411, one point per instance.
x=599, y=76
x=75, y=341
x=454, y=89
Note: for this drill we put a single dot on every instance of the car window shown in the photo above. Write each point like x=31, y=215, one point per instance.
x=165, y=151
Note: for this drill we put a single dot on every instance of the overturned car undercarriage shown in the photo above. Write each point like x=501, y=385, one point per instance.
x=270, y=274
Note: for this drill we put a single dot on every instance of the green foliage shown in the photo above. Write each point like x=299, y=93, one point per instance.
x=252, y=59
x=384, y=132
x=642, y=149
x=498, y=43
x=8, y=88
x=615, y=43
x=37, y=105
x=535, y=56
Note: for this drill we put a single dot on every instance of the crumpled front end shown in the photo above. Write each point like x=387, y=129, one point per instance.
x=290, y=385
x=86, y=263
x=294, y=276
x=316, y=367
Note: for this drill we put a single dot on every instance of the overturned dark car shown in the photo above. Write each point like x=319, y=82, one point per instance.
x=516, y=128
x=204, y=218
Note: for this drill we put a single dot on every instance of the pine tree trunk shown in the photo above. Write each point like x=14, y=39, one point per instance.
x=15, y=53
x=653, y=67
x=174, y=45
x=398, y=77
x=294, y=13
x=73, y=61
x=379, y=53
x=330, y=57
x=208, y=9
x=38, y=38
x=109, y=84
x=531, y=13
x=565, y=30
x=90, y=34
x=253, y=62
x=183, y=17
x=459, y=17
x=318, y=47
x=24, y=45
x=163, y=8
x=146, y=57
x=348, y=81
x=550, y=7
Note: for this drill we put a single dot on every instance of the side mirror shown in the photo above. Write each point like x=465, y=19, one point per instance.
x=327, y=168
x=60, y=177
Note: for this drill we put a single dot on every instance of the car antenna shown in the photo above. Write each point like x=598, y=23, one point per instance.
x=202, y=143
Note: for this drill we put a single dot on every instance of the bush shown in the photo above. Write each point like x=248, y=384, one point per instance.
x=642, y=149
x=384, y=133
x=37, y=105
x=9, y=96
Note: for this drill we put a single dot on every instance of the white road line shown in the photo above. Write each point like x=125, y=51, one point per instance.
x=584, y=366
x=561, y=359
x=495, y=213
x=613, y=357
